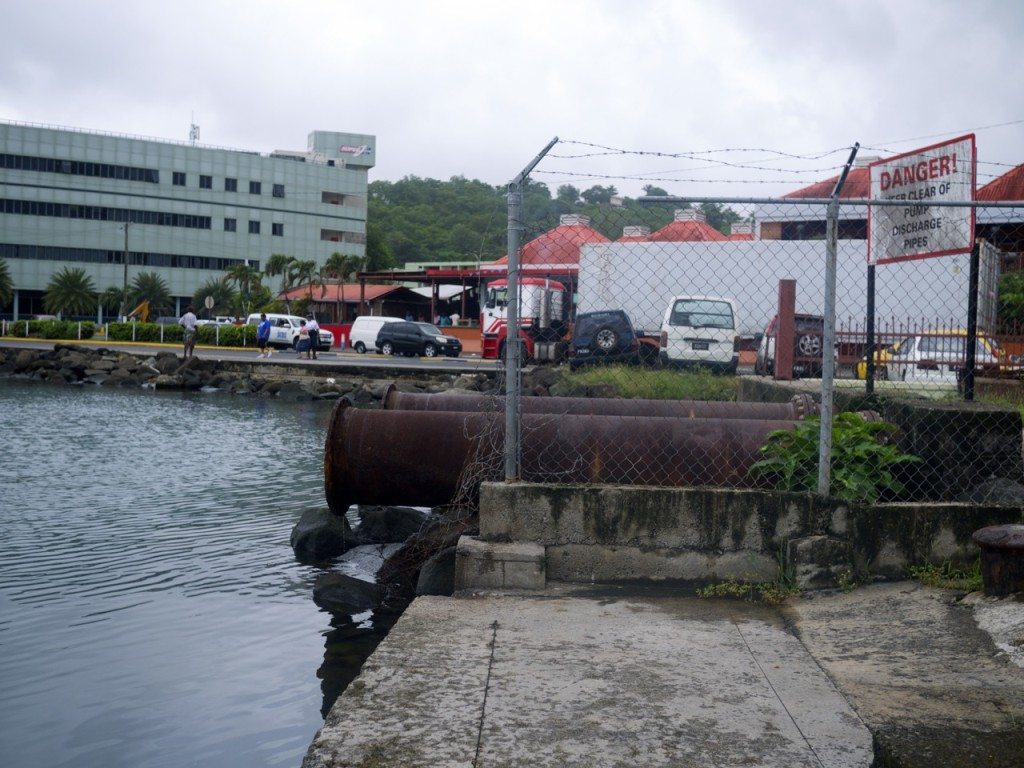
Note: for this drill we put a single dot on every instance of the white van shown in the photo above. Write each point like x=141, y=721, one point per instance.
x=284, y=330
x=364, y=331
x=701, y=330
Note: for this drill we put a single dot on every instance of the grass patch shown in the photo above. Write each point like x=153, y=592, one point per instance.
x=658, y=383
x=946, y=576
x=769, y=593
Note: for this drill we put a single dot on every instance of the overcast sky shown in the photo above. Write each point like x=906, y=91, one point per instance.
x=477, y=88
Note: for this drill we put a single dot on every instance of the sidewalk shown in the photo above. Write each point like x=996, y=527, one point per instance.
x=576, y=676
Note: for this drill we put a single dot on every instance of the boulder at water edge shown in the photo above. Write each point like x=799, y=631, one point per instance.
x=339, y=593
x=320, y=534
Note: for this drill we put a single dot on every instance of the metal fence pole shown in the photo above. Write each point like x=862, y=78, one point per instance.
x=828, y=358
x=512, y=341
x=970, y=362
x=512, y=446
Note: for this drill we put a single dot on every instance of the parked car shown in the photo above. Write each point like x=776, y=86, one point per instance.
x=939, y=355
x=409, y=338
x=365, y=329
x=807, y=345
x=603, y=337
x=284, y=330
x=701, y=330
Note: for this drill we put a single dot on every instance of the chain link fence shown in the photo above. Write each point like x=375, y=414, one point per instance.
x=715, y=318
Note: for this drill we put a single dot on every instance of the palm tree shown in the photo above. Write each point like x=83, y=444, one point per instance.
x=248, y=279
x=223, y=297
x=114, y=298
x=71, y=291
x=149, y=286
x=340, y=267
x=306, y=273
x=6, y=285
x=280, y=264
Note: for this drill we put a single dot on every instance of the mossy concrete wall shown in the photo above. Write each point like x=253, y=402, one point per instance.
x=621, y=533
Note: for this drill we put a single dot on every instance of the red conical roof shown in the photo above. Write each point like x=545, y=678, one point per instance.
x=689, y=227
x=1009, y=186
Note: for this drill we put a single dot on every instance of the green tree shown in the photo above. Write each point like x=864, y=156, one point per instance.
x=224, y=298
x=6, y=285
x=280, y=264
x=598, y=195
x=114, y=298
x=1011, y=298
x=308, y=274
x=340, y=268
x=71, y=290
x=652, y=191
x=248, y=280
x=718, y=217
x=378, y=252
x=149, y=286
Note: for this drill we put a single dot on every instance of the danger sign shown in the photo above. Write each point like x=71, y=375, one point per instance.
x=919, y=229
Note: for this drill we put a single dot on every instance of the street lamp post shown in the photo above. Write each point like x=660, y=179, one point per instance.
x=124, y=286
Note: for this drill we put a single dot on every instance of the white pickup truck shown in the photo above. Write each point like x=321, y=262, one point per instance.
x=284, y=331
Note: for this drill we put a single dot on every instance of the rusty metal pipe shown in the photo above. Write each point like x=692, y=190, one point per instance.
x=425, y=458
x=797, y=408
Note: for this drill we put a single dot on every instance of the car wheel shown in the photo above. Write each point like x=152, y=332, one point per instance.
x=430, y=350
x=387, y=349
x=360, y=348
x=606, y=339
x=809, y=345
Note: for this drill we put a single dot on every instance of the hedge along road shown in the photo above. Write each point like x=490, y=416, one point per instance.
x=332, y=360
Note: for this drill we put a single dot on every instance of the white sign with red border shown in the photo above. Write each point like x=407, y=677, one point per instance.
x=942, y=172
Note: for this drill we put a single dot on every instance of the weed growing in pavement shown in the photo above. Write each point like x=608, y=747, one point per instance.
x=946, y=576
x=846, y=581
x=659, y=383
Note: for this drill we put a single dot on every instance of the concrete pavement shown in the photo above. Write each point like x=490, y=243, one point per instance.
x=591, y=676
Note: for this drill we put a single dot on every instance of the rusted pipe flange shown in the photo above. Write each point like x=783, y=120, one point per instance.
x=805, y=405
x=1002, y=558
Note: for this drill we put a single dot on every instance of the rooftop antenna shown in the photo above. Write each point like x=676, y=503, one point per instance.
x=193, y=131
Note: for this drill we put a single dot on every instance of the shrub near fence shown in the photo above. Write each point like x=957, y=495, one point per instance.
x=49, y=329
x=212, y=335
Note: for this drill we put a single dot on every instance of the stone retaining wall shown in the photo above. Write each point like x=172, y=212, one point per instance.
x=625, y=533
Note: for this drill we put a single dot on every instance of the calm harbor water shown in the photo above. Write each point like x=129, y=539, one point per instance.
x=151, y=610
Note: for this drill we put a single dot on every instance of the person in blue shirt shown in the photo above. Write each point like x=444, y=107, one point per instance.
x=263, y=335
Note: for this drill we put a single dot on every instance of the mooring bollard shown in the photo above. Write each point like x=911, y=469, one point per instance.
x=1002, y=558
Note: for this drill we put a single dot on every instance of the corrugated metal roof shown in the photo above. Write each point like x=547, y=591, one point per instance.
x=1009, y=186
x=858, y=185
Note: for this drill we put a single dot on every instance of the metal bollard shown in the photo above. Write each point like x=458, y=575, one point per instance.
x=1002, y=558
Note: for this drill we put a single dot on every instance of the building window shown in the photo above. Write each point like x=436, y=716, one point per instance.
x=230, y=185
x=178, y=179
x=78, y=168
x=279, y=190
x=277, y=230
x=206, y=182
x=230, y=225
x=254, y=227
x=254, y=188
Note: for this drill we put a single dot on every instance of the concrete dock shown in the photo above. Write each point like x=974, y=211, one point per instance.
x=585, y=676
x=892, y=674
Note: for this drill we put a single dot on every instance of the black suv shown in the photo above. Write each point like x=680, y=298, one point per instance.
x=807, y=346
x=603, y=337
x=408, y=338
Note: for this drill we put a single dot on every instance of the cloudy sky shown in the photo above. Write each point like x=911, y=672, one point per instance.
x=644, y=91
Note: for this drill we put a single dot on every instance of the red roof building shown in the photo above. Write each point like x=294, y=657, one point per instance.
x=1009, y=186
x=690, y=226
x=635, y=234
x=557, y=251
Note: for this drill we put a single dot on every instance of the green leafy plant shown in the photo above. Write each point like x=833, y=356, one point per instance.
x=947, y=576
x=863, y=458
x=51, y=329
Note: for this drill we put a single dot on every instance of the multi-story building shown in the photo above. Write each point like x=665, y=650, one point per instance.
x=72, y=198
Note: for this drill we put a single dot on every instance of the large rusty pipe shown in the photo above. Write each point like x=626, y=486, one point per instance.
x=422, y=457
x=799, y=407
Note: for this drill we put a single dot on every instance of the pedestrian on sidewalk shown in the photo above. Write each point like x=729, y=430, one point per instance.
x=314, y=333
x=188, y=323
x=263, y=335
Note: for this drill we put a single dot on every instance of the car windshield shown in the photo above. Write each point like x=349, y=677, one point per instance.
x=701, y=313
x=433, y=330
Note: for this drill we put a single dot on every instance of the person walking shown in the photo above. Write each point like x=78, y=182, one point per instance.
x=263, y=335
x=188, y=336
x=314, y=333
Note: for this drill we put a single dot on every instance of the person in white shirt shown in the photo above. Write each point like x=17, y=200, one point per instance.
x=314, y=333
x=455, y=318
x=188, y=322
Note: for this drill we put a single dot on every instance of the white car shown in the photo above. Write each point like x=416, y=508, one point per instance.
x=284, y=330
x=700, y=330
x=365, y=329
